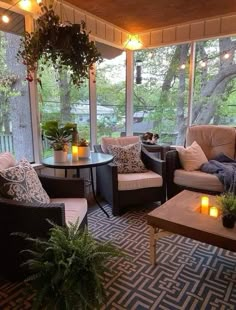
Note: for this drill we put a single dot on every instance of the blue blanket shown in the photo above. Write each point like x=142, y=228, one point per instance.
x=225, y=169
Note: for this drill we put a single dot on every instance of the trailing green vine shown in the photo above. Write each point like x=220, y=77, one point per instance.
x=66, y=45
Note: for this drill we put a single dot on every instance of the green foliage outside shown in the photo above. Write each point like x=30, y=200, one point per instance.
x=163, y=93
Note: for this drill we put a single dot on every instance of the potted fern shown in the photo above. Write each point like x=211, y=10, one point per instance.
x=67, y=269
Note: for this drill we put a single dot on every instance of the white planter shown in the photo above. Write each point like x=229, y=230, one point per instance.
x=84, y=151
x=60, y=156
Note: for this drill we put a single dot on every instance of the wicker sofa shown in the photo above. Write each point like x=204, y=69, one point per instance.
x=213, y=140
x=31, y=219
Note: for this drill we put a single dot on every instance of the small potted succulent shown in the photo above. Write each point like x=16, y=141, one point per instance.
x=227, y=203
x=83, y=148
x=59, y=137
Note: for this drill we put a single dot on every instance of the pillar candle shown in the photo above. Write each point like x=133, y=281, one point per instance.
x=204, y=205
x=214, y=212
x=74, y=152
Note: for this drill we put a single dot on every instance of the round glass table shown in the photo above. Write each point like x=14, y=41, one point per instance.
x=95, y=159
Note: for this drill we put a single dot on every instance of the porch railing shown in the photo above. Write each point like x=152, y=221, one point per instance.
x=6, y=143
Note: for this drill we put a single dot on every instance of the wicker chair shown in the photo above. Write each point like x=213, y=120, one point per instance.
x=31, y=219
x=107, y=184
x=213, y=140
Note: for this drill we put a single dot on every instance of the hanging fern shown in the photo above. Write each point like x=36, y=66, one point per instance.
x=65, y=45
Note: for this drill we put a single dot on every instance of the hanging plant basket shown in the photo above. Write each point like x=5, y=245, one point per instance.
x=65, y=45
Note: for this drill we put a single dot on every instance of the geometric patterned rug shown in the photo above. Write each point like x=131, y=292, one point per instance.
x=188, y=275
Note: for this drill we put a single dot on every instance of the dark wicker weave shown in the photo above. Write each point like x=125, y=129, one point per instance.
x=107, y=184
x=31, y=218
x=173, y=163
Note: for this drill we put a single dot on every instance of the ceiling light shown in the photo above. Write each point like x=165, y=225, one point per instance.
x=25, y=4
x=5, y=19
x=133, y=43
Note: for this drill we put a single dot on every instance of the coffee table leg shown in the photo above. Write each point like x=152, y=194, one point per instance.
x=152, y=245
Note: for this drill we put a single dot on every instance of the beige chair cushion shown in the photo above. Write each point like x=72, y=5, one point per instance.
x=74, y=208
x=198, y=179
x=132, y=181
x=213, y=139
x=122, y=141
x=191, y=157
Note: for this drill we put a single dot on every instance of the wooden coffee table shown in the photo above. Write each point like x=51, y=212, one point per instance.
x=181, y=215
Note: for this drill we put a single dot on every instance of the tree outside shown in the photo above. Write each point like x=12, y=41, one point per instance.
x=163, y=94
x=15, y=114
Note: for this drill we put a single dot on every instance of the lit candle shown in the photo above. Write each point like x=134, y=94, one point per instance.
x=214, y=212
x=204, y=205
x=74, y=153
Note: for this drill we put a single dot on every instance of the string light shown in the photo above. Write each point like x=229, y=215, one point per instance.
x=203, y=64
x=5, y=19
x=226, y=55
x=183, y=66
x=24, y=4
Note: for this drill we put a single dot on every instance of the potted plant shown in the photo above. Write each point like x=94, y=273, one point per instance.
x=59, y=137
x=227, y=203
x=66, y=45
x=83, y=148
x=66, y=271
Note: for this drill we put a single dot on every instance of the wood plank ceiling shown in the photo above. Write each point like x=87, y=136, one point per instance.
x=142, y=15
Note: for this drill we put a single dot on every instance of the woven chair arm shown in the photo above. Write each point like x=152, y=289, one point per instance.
x=152, y=163
x=98, y=148
x=172, y=161
x=31, y=218
x=63, y=187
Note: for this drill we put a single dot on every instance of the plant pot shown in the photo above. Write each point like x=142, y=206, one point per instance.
x=60, y=156
x=84, y=151
x=228, y=220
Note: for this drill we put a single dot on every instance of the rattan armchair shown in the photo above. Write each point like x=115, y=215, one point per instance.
x=107, y=184
x=31, y=219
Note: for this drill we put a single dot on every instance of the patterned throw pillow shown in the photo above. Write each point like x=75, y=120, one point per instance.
x=21, y=183
x=127, y=158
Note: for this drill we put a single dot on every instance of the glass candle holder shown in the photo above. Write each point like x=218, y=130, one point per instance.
x=74, y=152
x=204, y=205
x=214, y=212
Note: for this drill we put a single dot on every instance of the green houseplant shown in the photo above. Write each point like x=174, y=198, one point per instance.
x=66, y=45
x=58, y=135
x=227, y=203
x=67, y=269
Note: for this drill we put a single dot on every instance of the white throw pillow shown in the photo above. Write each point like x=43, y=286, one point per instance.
x=192, y=157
